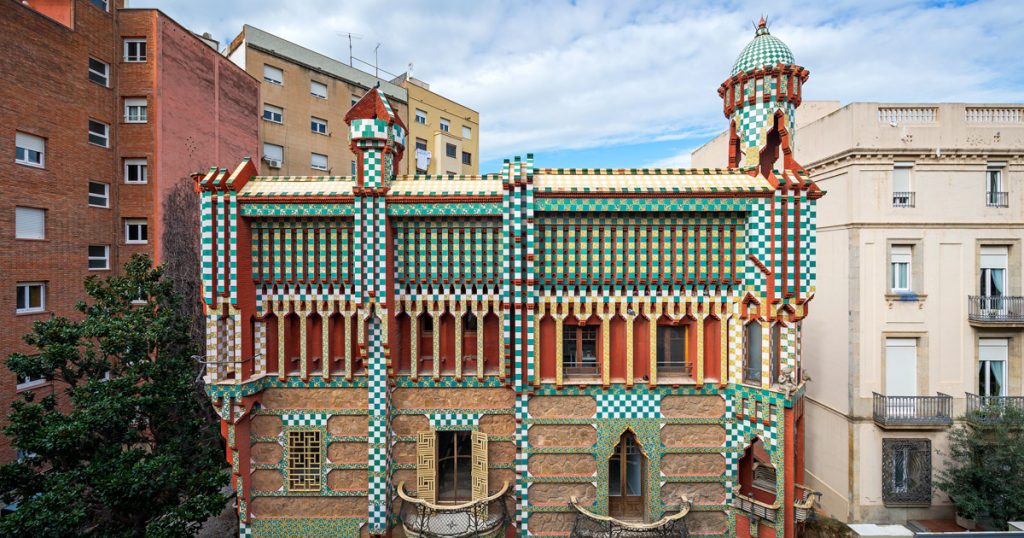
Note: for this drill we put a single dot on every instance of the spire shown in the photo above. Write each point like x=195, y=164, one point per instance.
x=762, y=27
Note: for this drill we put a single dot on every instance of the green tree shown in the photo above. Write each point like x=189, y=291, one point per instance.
x=985, y=473
x=133, y=454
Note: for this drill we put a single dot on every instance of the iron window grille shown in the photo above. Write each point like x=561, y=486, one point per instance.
x=906, y=472
x=304, y=460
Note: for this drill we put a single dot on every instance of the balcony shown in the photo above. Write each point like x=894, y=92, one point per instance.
x=985, y=310
x=992, y=409
x=913, y=412
x=903, y=199
x=997, y=199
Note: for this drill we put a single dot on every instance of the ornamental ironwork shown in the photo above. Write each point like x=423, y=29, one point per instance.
x=906, y=472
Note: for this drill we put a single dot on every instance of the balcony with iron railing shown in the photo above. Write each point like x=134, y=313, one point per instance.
x=992, y=409
x=903, y=199
x=913, y=412
x=999, y=309
x=997, y=199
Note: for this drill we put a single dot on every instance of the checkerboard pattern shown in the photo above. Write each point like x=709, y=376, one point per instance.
x=306, y=419
x=454, y=421
x=764, y=50
x=629, y=405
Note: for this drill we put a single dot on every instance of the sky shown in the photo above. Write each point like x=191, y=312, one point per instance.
x=622, y=83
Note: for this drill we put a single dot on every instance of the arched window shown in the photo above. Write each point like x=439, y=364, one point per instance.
x=752, y=353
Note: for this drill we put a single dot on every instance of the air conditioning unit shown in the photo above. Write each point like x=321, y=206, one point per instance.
x=273, y=163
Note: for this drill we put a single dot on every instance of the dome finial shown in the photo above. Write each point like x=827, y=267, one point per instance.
x=762, y=26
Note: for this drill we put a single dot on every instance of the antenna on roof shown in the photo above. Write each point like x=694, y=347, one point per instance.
x=351, y=36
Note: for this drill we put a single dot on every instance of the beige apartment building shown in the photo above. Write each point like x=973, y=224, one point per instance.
x=446, y=135
x=920, y=313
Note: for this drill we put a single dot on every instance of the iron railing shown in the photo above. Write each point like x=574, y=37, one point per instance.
x=913, y=410
x=999, y=309
x=903, y=199
x=590, y=525
x=997, y=199
x=991, y=409
x=486, y=518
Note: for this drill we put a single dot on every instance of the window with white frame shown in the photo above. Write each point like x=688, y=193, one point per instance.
x=136, y=171
x=273, y=75
x=99, y=133
x=30, y=150
x=29, y=223
x=25, y=383
x=902, y=192
x=421, y=117
x=318, y=89
x=135, y=110
x=273, y=113
x=273, y=154
x=467, y=133
x=992, y=278
x=318, y=125
x=995, y=192
x=900, y=260
x=31, y=297
x=355, y=99
x=135, y=50
x=99, y=72
x=99, y=257
x=136, y=231
x=99, y=194
x=318, y=161
x=445, y=125
x=992, y=357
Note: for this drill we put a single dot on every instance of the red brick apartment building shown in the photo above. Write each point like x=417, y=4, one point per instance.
x=102, y=111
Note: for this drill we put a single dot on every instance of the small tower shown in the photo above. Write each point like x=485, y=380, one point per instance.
x=377, y=137
x=760, y=97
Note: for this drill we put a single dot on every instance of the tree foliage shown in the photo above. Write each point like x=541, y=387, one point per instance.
x=985, y=473
x=132, y=453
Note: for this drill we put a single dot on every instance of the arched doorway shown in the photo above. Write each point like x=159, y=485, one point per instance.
x=627, y=475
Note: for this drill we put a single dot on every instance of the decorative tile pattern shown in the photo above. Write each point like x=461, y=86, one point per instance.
x=453, y=421
x=636, y=405
x=305, y=419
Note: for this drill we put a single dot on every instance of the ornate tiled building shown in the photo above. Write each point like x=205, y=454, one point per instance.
x=528, y=352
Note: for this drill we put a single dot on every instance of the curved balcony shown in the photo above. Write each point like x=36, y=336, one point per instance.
x=591, y=525
x=486, y=518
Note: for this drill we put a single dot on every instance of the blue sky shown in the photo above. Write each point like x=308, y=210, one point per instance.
x=634, y=83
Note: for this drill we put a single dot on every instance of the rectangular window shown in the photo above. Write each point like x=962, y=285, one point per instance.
x=273, y=155
x=995, y=192
x=467, y=158
x=353, y=163
x=273, y=113
x=906, y=472
x=902, y=193
x=31, y=297
x=992, y=278
x=992, y=357
x=99, y=194
x=318, y=161
x=99, y=72
x=29, y=223
x=135, y=50
x=467, y=133
x=900, y=259
x=752, y=353
x=273, y=75
x=421, y=144
x=99, y=257
x=305, y=456
x=900, y=375
x=136, y=231
x=29, y=150
x=318, y=89
x=355, y=99
x=99, y=133
x=25, y=383
x=454, y=466
x=135, y=110
x=318, y=126
x=421, y=117
x=774, y=351
x=579, y=350
x=672, y=350
x=450, y=150
x=102, y=4
x=445, y=126
x=136, y=171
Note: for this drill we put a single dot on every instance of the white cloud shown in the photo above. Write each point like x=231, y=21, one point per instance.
x=552, y=76
x=677, y=160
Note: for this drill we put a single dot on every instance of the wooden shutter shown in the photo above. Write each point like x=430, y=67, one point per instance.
x=479, y=476
x=426, y=466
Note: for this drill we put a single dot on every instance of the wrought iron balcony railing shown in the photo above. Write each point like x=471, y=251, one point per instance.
x=995, y=309
x=903, y=199
x=997, y=199
x=755, y=508
x=913, y=411
x=487, y=518
x=991, y=409
x=590, y=525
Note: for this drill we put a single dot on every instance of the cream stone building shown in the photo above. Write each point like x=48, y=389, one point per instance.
x=918, y=310
x=444, y=136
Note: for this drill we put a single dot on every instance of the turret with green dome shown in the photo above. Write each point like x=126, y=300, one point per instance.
x=760, y=97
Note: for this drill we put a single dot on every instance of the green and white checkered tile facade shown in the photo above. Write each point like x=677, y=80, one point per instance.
x=628, y=405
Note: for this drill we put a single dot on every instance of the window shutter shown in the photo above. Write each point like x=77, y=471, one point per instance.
x=994, y=257
x=479, y=476
x=426, y=466
x=29, y=223
x=901, y=253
